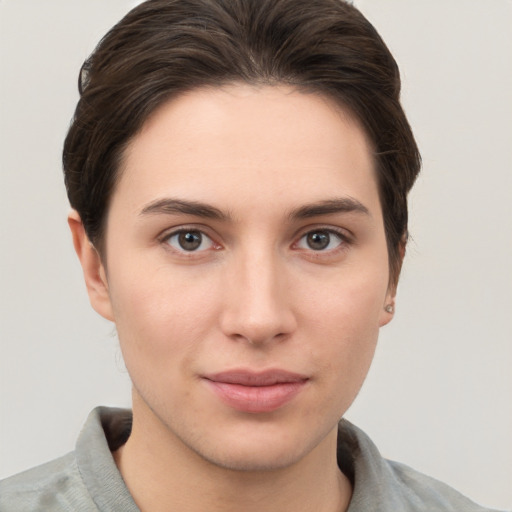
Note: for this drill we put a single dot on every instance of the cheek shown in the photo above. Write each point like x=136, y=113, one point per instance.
x=344, y=324
x=156, y=315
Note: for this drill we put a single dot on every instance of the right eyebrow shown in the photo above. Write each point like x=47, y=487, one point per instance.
x=171, y=206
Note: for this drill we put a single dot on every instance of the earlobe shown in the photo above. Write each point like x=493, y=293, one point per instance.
x=93, y=269
x=388, y=310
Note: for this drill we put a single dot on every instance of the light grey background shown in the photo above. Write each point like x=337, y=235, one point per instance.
x=440, y=391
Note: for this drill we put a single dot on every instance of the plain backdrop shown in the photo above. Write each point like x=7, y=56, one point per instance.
x=439, y=395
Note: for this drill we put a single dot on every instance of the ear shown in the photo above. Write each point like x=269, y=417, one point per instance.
x=388, y=308
x=94, y=271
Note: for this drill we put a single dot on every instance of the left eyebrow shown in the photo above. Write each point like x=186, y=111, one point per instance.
x=328, y=207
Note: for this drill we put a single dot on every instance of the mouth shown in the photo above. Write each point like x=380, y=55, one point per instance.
x=256, y=392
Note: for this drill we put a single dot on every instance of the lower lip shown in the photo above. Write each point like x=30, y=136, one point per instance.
x=256, y=399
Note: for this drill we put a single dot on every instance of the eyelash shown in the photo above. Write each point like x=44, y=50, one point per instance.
x=342, y=237
x=344, y=241
x=165, y=239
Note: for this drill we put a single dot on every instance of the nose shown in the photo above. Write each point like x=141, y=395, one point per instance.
x=258, y=301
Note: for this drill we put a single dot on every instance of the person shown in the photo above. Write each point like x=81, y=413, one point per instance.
x=238, y=173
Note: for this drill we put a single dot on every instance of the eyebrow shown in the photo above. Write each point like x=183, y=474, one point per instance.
x=329, y=206
x=170, y=206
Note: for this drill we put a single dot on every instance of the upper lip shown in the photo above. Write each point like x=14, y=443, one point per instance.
x=252, y=378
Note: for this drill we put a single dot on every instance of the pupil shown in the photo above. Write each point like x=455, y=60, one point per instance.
x=318, y=241
x=190, y=240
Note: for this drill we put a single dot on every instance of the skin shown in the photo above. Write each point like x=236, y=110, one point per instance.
x=255, y=295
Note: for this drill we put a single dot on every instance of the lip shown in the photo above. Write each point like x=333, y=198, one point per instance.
x=256, y=392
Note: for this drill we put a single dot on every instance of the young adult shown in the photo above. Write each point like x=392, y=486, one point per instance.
x=238, y=172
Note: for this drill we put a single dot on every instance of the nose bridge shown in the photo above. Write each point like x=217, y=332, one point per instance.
x=258, y=304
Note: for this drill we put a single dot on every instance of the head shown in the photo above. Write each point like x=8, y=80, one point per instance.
x=239, y=171
x=163, y=48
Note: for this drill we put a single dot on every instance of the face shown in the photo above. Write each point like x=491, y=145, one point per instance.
x=246, y=271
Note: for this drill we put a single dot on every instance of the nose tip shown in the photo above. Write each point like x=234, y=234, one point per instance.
x=261, y=329
x=258, y=306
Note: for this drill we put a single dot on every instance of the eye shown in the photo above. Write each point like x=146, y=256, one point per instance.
x=321, y=240
x=189, y=240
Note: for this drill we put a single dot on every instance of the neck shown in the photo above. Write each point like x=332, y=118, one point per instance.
x=164, y=474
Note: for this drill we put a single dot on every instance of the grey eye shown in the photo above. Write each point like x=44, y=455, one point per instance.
x=189, y=241
x=320, y=240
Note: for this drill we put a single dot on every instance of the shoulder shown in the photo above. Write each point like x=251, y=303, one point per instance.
x=55, y=486
x=424, y=493
x=84, y=480
x=384, y=485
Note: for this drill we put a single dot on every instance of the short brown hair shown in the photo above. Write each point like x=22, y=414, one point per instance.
x=165, y=47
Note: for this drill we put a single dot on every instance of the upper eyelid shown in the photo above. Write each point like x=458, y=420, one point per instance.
x=344, y=233
x=343, y=238
x=168, y=232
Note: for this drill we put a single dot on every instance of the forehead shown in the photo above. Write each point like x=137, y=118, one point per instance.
x=241, y=143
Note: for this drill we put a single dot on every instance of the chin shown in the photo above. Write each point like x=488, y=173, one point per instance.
x=258, y=447
x=252, y=458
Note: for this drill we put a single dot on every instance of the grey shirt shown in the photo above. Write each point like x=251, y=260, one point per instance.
x=88, y=479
